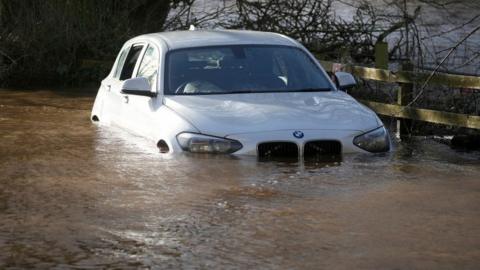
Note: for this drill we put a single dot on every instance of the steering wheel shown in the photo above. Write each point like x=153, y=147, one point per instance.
x=198, y=86
x=180, y=88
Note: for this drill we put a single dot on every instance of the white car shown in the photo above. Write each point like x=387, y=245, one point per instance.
x=234, y=92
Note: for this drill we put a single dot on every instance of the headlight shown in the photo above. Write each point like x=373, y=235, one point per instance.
x=198, y=143
x=374, y=141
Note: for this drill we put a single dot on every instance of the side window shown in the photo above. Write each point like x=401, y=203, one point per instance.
x=149, y=66
x=129, y=65
x=120, y=62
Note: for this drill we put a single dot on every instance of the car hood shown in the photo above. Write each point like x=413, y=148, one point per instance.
x=223, y=115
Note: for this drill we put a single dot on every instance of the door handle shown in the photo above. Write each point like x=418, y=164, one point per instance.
x=125, y=99
x=109, y=87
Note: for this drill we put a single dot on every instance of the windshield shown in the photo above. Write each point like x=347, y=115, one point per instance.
x=242, y=69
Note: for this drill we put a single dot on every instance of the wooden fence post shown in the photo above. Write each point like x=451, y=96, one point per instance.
x=381, y=55
x=405, y=96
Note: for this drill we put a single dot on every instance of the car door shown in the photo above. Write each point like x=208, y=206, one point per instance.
x=108, y=106
x=140, y=109
x=125, y=69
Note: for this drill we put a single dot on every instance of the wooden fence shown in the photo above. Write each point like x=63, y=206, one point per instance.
x=406, y=78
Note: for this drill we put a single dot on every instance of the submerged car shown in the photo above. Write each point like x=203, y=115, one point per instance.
x=234, y=92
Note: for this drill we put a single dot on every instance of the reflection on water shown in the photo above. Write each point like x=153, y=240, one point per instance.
x=73, y=194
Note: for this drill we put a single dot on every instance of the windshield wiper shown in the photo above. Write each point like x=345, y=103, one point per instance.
x=326, y=89
x=242, y=92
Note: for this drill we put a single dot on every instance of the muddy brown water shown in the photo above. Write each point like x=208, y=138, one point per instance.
x=77, y=195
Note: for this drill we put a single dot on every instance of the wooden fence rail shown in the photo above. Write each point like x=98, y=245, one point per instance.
x=384, y=75
x=406, y=79
x=432, y=116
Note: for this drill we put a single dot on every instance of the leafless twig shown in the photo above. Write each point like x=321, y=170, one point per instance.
x=422, y=89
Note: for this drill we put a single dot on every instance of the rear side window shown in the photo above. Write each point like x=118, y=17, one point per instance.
x=121, y=60
x=129, y=66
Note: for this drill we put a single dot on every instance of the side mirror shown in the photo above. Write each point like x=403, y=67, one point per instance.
x=137, y=86
x=345, y=80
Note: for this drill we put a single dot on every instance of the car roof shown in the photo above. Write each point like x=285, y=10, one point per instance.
x=202, y=38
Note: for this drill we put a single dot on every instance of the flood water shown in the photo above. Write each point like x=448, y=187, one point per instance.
x=77, y=195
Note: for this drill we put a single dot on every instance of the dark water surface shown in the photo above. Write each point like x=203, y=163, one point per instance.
x=76, y=195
